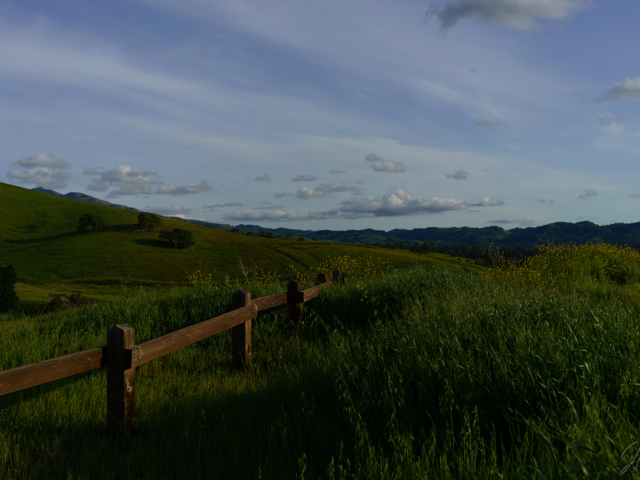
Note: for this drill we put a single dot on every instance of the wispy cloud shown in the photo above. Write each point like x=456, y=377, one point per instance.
x=484, y=123
x=398, y=203
x=587, y=194
x=505, y=221
x=42, y=169
x=305, y=178
x=488, y=202
x=518, y=14
x=381, y=165
x=223, y=205
x=459, y=175
x=124, y=180
x=172, y=210
x=628, y=91
x=262, y=178
x=328, y=189
x=178, y=190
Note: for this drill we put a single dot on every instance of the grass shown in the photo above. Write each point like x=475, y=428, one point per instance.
x=38, y=235
x=426, y=372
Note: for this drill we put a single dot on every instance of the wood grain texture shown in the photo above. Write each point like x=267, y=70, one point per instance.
x=121, y=381
x=271, y=301
x=241, y=334
x=171, y=342
x=313, y=292
x=19, y=378
x=293, y=300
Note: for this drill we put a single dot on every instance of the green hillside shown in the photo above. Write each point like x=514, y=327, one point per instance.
x=38, y=235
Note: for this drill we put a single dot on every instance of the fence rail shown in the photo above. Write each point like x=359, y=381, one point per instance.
x=121, y=355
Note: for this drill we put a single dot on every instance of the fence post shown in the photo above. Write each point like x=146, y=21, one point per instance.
x=241, y=334
x=322, y=278
x=295, y=308
x=121, y=381
x=340, y=277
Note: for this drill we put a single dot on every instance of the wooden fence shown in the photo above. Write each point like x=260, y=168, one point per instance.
x=121, y=355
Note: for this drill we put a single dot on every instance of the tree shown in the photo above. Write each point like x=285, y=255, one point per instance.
x=89, y=221
x=178, y=237
x=149, y=221
x=426, y=247
x=8, y=279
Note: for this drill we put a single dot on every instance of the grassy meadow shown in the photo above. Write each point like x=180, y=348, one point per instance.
x=527, y=371
x=38, y=235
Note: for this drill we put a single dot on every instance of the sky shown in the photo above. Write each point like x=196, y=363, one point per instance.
x=339, y=114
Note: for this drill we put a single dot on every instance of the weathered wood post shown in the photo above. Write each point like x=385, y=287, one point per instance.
x=322, y=278
x=241, y=334
x=340, y=277
x=293, y=300
x=121, y=381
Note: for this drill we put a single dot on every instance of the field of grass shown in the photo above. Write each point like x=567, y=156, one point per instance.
x=426, y=372
x=38, y=235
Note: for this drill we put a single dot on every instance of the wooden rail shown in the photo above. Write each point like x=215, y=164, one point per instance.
x=121, y=355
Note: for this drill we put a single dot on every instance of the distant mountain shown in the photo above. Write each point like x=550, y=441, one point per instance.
x=559, y=232
x=82, y=197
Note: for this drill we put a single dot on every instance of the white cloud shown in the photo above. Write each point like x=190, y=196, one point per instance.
x=629, y=91
x=587, y=194
x=172, y=210
x=381, y=165
x=398, y=203
x=183, y=189
x=306, y=193
x=131, y=181
x=125, y=180
x=42, y=170
x=279, y=215
x=262, y=178
x=518, y=14
x=326, y=188
x=459, y=175
x=488, y=202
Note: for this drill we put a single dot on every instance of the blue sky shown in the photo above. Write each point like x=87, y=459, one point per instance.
x=335, y=115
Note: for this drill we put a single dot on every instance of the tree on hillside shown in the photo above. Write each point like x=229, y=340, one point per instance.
x=178, y=237
x=8, y=279
x=89, y=221
x=149, y=221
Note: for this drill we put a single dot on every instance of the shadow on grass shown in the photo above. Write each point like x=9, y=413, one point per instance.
x=153, y=243
x=60, y=236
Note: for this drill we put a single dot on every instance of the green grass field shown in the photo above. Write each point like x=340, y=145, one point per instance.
x=426, y=372
x=38, y=236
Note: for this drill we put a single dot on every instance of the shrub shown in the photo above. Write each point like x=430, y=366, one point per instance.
x=149, y=221
x=8, y=297
x=178, y=237
x=89, y=221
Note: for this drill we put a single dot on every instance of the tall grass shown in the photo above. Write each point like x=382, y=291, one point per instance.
x=423, y=373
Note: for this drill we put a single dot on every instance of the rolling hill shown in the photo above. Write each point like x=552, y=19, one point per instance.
x=38, y=236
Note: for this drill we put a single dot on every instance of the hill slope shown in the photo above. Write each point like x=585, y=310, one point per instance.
x=38, y=235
